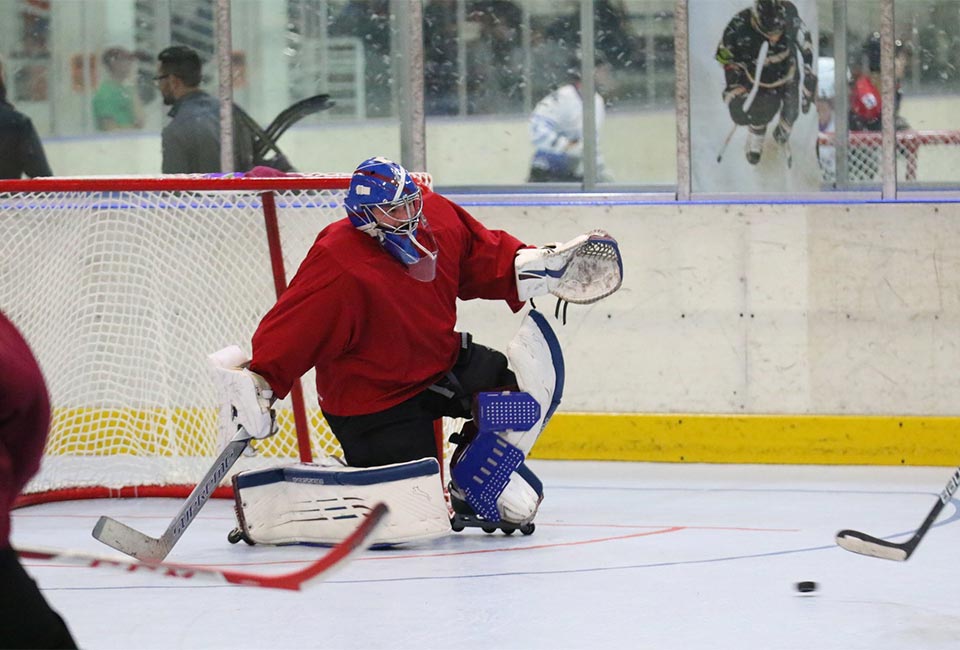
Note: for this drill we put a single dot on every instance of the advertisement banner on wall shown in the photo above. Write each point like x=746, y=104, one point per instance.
x=753, y=121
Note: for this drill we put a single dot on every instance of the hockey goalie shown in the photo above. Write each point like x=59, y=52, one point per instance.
x=373, y=309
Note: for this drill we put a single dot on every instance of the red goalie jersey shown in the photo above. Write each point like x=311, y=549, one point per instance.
x=353, y=312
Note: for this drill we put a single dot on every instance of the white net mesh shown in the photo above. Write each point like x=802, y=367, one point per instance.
x=922, y=157
x=123, y=294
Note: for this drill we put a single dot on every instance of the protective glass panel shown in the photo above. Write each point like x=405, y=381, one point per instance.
x=502, y=91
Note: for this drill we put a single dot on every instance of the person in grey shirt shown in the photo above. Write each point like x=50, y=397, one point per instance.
x=191, y=141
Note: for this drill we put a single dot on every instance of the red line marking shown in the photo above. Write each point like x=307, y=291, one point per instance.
x=671, y=529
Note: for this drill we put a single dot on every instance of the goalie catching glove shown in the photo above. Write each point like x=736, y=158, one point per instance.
x=245, y=397
x=581, y=271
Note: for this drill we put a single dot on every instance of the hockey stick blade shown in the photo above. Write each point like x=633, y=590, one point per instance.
x=128, y=540
x=135, y=544
x=336, y=557
x=864, y=544
x=857, y=542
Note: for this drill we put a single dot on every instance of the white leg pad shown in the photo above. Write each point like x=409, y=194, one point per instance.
x=537, y=361
x=305, y=503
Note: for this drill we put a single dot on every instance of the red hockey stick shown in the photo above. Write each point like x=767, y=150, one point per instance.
x=335, y=557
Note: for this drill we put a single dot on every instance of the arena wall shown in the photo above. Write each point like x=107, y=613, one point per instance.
x=809, y=333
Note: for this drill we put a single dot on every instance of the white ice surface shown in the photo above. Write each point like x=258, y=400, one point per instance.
x=625, y=555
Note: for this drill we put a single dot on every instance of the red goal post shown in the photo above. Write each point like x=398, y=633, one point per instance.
x=122, y=286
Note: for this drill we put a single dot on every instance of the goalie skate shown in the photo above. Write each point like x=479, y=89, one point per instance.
x=465, y=517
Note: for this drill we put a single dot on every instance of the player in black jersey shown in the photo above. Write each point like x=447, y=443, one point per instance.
x=762, y=51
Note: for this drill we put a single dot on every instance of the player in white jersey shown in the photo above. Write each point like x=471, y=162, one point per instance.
x=556, y=130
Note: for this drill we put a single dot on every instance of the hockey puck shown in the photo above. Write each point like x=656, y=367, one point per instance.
x=806, y=586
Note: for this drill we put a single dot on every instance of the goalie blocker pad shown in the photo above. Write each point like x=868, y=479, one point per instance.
x=308, y=504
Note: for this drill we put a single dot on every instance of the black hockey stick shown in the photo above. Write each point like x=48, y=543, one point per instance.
x=864, y=544
x=265, y=140
x=723, y=148
x=262, y=143
x=153, y=549
x=321, y=568
x=296, y=112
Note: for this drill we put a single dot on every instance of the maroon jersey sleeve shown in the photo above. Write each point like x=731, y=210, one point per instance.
x=486, y=267
x=299, y=331
x=24, y=419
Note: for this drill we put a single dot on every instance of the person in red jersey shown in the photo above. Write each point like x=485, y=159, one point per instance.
x=373, y=308
x=26, y=619
x=866, y=106
x=865, y=98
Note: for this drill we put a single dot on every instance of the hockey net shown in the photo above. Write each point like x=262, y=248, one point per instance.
x=922, y=156
x=122, y=287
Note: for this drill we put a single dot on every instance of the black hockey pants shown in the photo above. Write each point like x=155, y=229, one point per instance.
x=405, y=432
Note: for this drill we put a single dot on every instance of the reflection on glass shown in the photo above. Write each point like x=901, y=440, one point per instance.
x=487, y=65
x=926, y=63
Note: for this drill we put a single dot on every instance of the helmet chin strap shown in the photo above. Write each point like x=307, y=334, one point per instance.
x=431, y=254
x=396, y=249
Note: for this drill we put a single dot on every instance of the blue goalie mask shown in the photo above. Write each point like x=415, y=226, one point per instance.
x=384, y=202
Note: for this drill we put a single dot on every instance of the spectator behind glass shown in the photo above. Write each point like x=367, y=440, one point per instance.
x=613, y=36
x=495, y=59
x=19, y=142
x=191, y=141
x=116, y=104
x=556, y=129
x=440, y=52
x=369, y=21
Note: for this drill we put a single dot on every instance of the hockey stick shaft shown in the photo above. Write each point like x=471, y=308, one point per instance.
x=336, y=557
x=758, y=71
x=263, y=142
x=857, y=542
x=723, y=148
x=143, y=547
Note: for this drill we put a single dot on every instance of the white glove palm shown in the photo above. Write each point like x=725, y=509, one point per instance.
x=583, y=270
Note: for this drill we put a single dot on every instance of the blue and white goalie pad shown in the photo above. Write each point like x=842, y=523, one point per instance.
x=509, y=424
x=537, y=361
x=309, y=504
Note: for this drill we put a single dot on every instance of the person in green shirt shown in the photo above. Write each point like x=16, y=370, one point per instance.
x=116, y=104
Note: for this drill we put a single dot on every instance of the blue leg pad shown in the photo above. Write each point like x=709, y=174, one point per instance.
x=506, y=411
x=483, y=471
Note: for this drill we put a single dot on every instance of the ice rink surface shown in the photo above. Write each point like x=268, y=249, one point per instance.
x=625, y=555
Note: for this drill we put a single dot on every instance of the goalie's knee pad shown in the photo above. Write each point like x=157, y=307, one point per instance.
x=537, y=361
x=305, y=503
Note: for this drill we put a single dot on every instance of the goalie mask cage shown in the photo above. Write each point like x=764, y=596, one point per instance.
x=122, y=287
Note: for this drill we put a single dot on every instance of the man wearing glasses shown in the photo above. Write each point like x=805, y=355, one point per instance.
x=191, y=141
